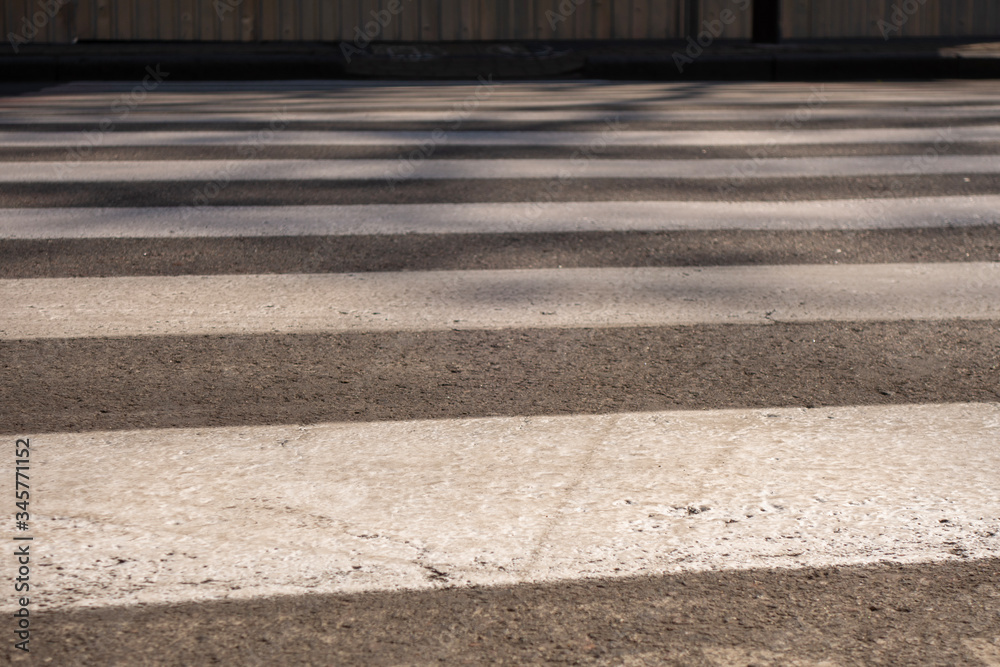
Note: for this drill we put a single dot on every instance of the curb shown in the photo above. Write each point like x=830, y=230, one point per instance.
x=731, y=62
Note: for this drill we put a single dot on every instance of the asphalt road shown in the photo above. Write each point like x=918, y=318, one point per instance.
x=725, y=393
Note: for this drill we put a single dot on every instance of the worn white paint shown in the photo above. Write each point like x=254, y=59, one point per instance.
x=435, y=300
x=177, y=515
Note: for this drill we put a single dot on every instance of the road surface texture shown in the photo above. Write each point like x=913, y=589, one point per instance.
x=585, y=373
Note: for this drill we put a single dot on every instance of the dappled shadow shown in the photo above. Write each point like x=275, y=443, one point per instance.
x=54, y=385
x=713, y=618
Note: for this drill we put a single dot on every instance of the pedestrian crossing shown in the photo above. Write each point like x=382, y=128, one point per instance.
x=757, y=327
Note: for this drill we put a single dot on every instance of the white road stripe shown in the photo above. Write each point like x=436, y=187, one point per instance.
x=138, y=517
x=943, y=136
x=452, y=118
x=436, y=300
x=245, y=221
x=292, y=170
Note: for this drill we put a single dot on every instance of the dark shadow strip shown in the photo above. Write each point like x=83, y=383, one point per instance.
x=56, y=385
x=914, y=614
x=64, y=258
x=284, y=193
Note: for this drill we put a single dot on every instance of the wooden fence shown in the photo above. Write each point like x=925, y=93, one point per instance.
x=59, y=21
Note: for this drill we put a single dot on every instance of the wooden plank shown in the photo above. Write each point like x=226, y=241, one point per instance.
x=121, y=20
x=289, y=29
x=57, y=29
x=951, y=15
x=22, y=12
x=976, y=17
x=166, y=14
x=365, y=8
x=871, y=15
x=267, y=26
x=621, y=13
x=227, y=16
x=506, y=25
x=430, y=21
x=583, y=21
x=839, y=23
x=144, y=20
x=186, y=20
x=449, y=20
x=850, y=19
x=393, y=31
x=660, y=13
x=914, y=24
x=548, y=20
x=820, y=18
x=799, y=24
x=14, y=10
x=103, y=19
x=522, y=19
x=991, y=18
x=603, y=19
x=436, y=20
x=408, y=20
x=925, y=19
x=541, y=27
x=327, y=21
x=309, y=30
x=816, y=18
x=947, y=18
x=876, y=13
x=468, y=20
x=742, y=25
x=488, y=19
x=347, y=12
x=248, y=20
x=46, y=33
x=639, y=22
x=208, y=22
x=85, y=20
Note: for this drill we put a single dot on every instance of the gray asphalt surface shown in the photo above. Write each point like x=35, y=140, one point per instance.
x=173, y=381
x=946, y=614
x=277, y=193
x=60, y=258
